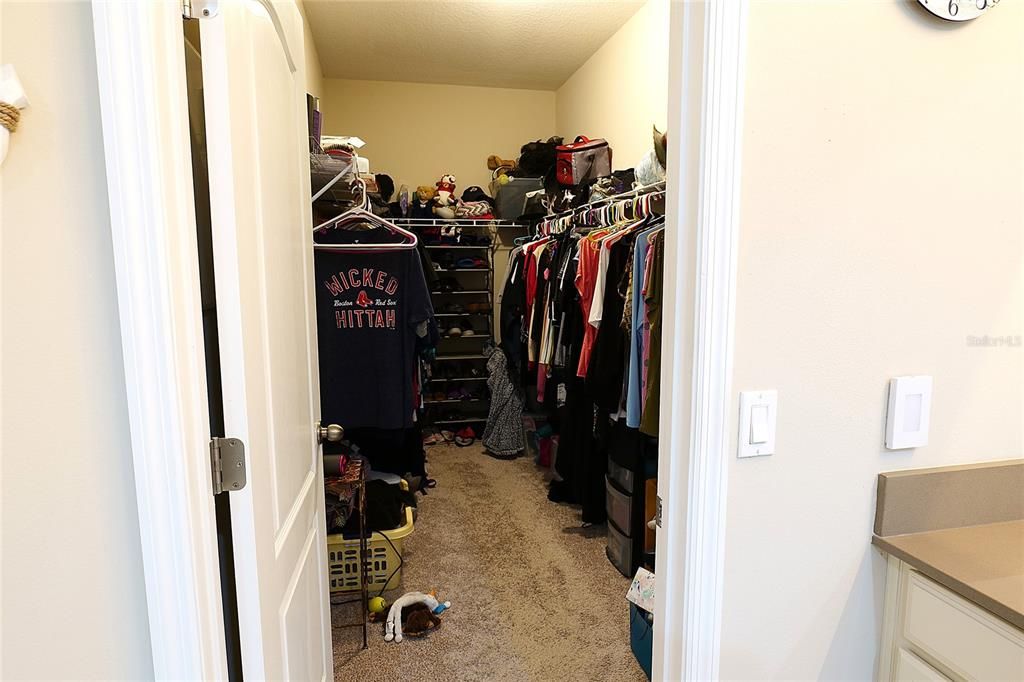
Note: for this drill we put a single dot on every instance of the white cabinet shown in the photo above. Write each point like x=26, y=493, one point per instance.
x=931, y=633
x=911, y=668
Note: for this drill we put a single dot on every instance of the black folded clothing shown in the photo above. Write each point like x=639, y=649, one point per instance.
x=385, y=504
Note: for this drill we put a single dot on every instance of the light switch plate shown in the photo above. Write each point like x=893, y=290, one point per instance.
x=757, y=423
x=907, y=417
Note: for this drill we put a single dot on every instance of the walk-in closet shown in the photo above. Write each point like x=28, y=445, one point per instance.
x=487, y=186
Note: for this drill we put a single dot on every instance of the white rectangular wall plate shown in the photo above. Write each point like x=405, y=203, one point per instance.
x=908, y=414
x=757, y=423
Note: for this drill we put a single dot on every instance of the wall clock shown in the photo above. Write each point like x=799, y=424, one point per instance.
x=958, y=10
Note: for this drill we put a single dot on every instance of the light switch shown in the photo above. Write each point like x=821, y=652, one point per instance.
x=757, y=423
x=908, y=412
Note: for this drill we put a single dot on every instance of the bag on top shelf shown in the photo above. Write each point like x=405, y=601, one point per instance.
x=582, y=160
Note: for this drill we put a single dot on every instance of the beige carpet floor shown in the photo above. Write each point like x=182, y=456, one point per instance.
x=533, y=596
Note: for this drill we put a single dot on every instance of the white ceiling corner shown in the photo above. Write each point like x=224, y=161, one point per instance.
x=530, y=44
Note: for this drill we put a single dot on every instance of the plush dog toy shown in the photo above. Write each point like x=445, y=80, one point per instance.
x=393, y=624
x=496, y=163
x=445, y=190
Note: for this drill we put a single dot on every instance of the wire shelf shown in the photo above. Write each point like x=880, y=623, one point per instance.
x=460, y=222
x=447, y=401
x=464, y=291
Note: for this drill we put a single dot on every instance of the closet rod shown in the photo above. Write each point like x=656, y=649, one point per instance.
x=646, y=189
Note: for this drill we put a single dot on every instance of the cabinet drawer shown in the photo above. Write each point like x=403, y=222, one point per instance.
x=621, y=475
x=619, y=507
x=910, y=668
x=960, y=636
x=620, y=551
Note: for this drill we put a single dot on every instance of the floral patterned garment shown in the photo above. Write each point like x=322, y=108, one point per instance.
x=503, y=435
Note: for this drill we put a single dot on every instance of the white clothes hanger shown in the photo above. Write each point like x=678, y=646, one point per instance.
x=360, y=215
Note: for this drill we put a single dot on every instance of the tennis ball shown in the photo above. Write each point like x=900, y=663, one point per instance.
x=377, y=605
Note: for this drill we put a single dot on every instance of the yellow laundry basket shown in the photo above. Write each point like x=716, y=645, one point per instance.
x=383, y=558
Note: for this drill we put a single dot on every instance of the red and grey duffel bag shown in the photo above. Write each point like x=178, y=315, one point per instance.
x=582, y=160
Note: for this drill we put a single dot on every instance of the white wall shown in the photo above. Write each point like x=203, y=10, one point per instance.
x=622, y=90
x=882, y=220
x=415, y=132
x=73, y=599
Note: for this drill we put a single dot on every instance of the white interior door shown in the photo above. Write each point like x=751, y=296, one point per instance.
x=254, y=94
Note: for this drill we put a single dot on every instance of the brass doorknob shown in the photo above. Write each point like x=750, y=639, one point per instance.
x=331, y=433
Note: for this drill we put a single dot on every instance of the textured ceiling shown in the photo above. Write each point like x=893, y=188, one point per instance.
x=496, y=43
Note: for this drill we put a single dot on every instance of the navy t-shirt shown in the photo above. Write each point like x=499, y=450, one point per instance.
x=369, y=305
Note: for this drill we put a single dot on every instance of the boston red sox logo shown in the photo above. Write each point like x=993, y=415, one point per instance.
x=363, y=300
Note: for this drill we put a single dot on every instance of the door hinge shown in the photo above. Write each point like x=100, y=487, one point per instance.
x=227, y=464
x=657, y=512
x=199, y=9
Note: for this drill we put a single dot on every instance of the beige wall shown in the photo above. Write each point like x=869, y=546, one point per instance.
x=882, y=220
x=74, y=603
x=314, y=74
x=622, y=90
x=415, y=132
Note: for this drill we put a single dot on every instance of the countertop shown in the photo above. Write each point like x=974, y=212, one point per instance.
x=983, y=563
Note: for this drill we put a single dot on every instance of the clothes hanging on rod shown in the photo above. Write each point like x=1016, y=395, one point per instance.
x=586, y=292
x=374, y=318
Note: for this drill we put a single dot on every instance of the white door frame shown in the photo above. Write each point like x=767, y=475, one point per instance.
x=140, y=60
x=707, y=51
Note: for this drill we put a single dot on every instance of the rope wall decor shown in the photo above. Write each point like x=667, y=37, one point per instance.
x=9, y=115
x=12, y=100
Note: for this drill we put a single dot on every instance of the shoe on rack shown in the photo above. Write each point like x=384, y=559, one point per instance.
x=449, y=284
x=465, y=437
x=465, y=327
x=454, y=332
x=469, y=263
x=455, y=308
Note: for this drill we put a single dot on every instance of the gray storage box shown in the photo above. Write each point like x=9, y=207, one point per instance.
x=511, y=197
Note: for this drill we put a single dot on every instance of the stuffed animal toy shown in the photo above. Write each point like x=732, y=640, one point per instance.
x=422, y=206
x=444, y=202
x=445, y=190
x=496, y=163
x=393, y=624
x=418, y=620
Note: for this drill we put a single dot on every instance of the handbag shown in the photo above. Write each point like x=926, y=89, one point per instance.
x=582, y=160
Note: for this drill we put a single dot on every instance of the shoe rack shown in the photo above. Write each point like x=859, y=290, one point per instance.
x=463, y=255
